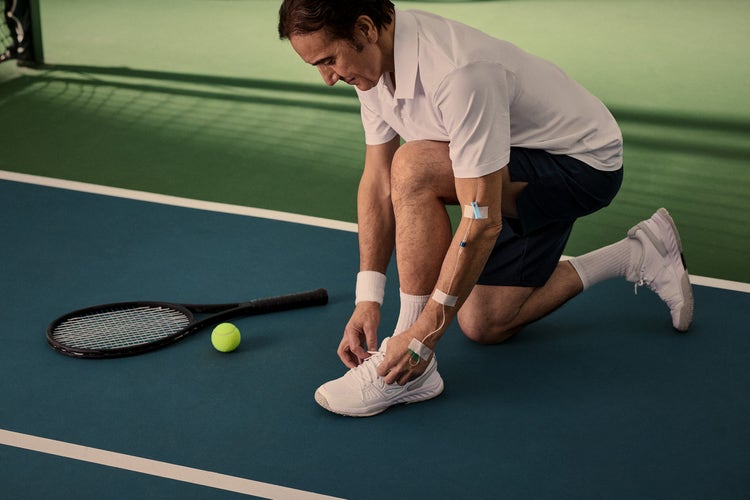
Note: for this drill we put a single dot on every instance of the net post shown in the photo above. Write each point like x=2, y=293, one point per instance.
x=37, y=49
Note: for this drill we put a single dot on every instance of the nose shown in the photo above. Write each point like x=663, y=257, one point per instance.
x=330, y=77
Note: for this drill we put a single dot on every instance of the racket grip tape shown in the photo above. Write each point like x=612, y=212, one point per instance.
x=299, y=300
x=310, y=298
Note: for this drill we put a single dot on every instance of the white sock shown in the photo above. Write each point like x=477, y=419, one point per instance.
x=411, y=308
x=608, y=262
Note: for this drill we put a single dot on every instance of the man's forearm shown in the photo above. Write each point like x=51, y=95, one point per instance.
x=467, y=254
x=461, y=268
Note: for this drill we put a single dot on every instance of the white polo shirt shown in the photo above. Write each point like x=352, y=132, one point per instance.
x=483, y=95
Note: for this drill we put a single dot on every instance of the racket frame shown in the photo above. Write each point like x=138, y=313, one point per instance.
x=218, y=314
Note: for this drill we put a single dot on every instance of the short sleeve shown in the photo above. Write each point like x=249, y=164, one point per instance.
x=377, y=131
x=474, y=102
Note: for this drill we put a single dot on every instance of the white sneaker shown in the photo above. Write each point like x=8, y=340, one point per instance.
x=361, y=392
x=662, y=266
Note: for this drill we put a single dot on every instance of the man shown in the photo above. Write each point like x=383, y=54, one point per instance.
x=522, y=148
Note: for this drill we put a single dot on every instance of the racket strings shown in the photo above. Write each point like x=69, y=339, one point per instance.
x=120, y=327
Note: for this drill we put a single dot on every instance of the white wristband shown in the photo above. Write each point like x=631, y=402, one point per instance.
x=370, y=287
x=418, y=351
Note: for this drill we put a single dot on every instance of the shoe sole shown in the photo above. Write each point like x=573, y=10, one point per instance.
x=686, y=313
x=408, y=398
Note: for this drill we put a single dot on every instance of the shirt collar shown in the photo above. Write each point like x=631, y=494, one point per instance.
x=405, y=47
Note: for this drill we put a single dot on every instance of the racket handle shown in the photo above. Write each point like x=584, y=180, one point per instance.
x=299, y=300
x=310, y=298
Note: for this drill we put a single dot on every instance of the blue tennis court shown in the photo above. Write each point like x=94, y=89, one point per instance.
x=601, y=399
x=179, y=151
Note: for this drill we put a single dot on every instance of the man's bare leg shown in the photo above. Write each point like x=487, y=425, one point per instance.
x=422, y=184
x=493, y=314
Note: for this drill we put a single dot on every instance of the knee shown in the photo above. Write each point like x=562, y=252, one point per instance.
x=487, y=330
x=419, y=167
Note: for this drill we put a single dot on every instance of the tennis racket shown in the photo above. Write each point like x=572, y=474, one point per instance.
x=129, y=328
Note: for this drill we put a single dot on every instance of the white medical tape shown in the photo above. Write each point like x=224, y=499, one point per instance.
x=419, y=350
x=443, y=298
x=475, y=212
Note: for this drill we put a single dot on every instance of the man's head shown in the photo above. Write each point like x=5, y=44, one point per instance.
x=338, y=18
x=346, y=40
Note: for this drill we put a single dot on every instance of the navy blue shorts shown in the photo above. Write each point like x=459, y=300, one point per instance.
x=560, y=190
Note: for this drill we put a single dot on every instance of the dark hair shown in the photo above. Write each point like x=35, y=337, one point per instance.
x=336, y=17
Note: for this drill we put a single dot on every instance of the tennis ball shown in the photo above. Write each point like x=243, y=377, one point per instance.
x=225, y=337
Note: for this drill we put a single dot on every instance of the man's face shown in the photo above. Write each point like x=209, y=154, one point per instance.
x=338, y=59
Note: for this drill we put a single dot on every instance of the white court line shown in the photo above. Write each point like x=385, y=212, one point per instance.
x=154, y=467
x=144, y=465
x=256, y=212
x=177, y=201
x=178, y=472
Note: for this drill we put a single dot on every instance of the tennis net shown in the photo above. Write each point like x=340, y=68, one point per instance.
x=15, y=31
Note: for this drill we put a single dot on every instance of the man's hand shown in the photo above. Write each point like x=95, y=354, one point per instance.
x=360, y=331
x=398, y=367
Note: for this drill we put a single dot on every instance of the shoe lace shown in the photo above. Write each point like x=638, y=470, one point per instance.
x=639, y=283
x=367, y=372
x=641, y=275
x=643, y=280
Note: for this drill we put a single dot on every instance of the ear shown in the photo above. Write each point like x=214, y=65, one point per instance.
x=366, y=28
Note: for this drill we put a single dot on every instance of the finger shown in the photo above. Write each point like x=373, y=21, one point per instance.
x=346, y=357
x=358, y=352
x=349, y=360
x=406, y=377
x=394, y=374
x=399, y=375
x=402, y=376
x=384, y=370
x=371, y=339
x=391, y=377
